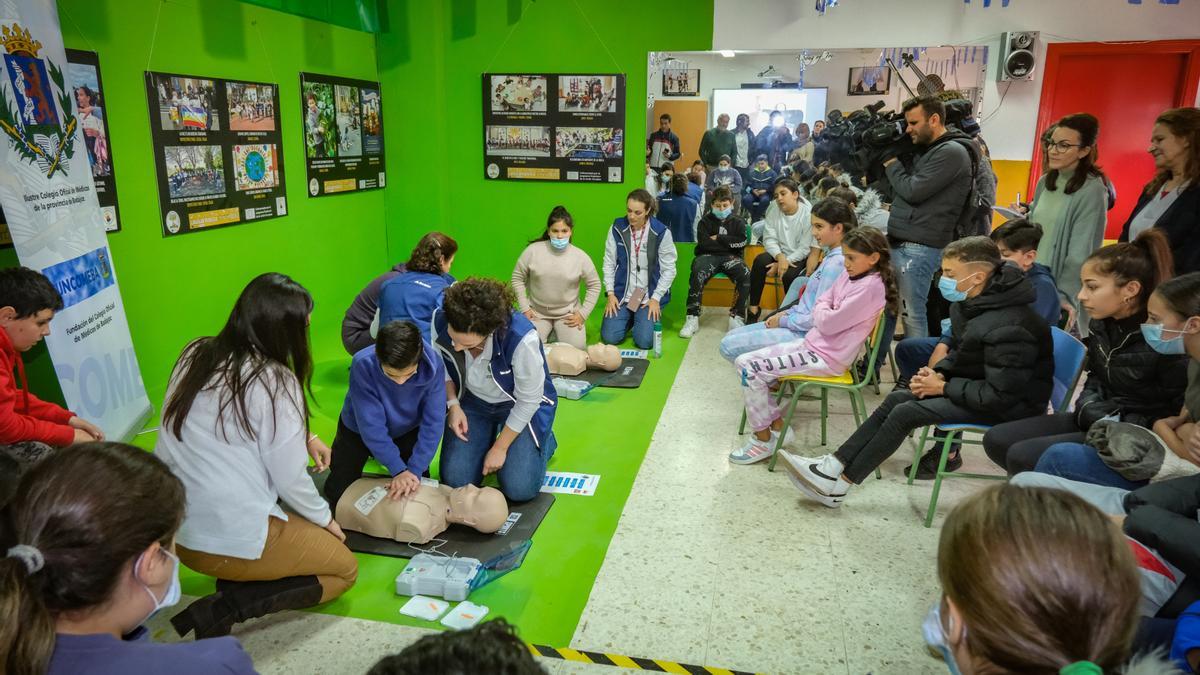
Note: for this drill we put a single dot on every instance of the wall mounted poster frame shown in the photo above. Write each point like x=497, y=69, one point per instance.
x=343, y=134
x=869, y=81
x=681, y=82
x=217, y=151
x=554, y=127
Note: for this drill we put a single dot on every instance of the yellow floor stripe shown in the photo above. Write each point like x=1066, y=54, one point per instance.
x=623, y=661
x=572, y=655
x=671, y=667
x=568, y=654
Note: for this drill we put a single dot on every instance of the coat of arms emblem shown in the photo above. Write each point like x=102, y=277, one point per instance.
x=29, y=117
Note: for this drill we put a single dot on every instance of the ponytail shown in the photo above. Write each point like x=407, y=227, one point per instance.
x=78, y=519
x=1146, y=260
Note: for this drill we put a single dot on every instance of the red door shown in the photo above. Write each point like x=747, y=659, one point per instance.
x=1126, y=86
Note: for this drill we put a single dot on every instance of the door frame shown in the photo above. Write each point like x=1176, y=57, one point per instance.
x=1055, y=51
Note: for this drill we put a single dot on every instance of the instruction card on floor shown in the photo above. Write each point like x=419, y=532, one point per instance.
x=566, y=483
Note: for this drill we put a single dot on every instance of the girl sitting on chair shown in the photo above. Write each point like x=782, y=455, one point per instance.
x=842, y=319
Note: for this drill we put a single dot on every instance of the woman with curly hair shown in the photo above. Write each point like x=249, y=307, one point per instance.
x=494, y=361
x=415, y=293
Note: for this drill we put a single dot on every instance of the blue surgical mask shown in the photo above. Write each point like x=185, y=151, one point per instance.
x=1153, y=332
x=560, y=244
x=171, y=597
x=935, y=636
x=949, y=290
x=722, y=213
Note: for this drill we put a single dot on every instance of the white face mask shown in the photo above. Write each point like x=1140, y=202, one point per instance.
x=935, y=636
x=171, y=597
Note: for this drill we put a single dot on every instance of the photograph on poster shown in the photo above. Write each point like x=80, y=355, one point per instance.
x=681, y=82
x=254, y=167
x=587, y=93
x=372, y=125
x=320, y=130
x=518, y=141
x=869, y=81
x=349, y=120
x=90, y=103
x=588, y=142
x=518, y=93
x=194, y=170
x=251, y=106
x=186, y=103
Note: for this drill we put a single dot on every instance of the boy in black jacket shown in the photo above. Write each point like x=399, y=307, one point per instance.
x=1000, y=367
x=720, y=240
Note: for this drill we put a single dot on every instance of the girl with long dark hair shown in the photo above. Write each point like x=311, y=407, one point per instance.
x=546, y=280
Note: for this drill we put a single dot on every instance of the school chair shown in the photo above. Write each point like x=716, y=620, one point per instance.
x=849, y=382
x=1069, y=357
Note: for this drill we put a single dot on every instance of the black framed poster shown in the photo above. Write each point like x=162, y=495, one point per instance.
x=87, y=88
x=554, y=127
x=217, y=151
x=343, y=134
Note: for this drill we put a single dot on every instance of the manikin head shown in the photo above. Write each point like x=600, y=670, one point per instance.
x=483, y=509
x=604, y=357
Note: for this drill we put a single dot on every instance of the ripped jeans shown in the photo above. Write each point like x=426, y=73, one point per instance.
x=915, y=265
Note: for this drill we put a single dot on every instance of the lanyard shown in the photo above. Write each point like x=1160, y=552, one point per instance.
x=637, y=247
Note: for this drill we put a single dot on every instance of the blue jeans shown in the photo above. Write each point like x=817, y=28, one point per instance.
x=462, y=461
x=912, y=354
x=613, y=329
x=1080, y=462
x=915, y=265
x=754, y=336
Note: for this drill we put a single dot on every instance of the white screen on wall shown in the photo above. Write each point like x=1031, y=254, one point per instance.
x=797, y=105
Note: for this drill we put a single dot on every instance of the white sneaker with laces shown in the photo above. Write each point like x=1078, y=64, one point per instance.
x=690, y=325
x=754, y=450
x=736, y=322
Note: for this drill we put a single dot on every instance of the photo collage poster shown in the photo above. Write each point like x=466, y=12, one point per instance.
x=343, y=134
x=87, y=92
x=554, y=127
x=217, y=151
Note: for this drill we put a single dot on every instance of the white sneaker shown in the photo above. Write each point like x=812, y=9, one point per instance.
x=832, y=502
x=736, y=322
x=822, y=475
x=690, y=325
x=754, y=450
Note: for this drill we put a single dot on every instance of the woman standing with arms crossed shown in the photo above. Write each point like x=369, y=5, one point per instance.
x=546, y=281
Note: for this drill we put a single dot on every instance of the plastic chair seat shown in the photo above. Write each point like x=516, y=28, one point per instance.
x=980, y=428
x=844, y=379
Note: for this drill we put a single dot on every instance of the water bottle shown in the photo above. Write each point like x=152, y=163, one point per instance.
x=658, y=339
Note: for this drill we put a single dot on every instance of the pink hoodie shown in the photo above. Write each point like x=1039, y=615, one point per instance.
x=843, y=318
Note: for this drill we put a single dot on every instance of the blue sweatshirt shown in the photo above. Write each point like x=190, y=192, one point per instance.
x=104, y=654
x=799, y=319
x=412, y=296
x=678, y=213
x=380, y=410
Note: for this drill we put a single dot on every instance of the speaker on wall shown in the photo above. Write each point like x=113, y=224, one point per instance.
x=1017, y=55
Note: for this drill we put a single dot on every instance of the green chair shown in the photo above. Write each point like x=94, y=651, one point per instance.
x=1069, y=357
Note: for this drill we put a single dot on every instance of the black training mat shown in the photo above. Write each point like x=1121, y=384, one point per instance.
x=628, y=376
x=461, y=540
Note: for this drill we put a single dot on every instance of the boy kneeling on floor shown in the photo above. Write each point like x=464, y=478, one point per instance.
x=999, y=368
x=720, y=242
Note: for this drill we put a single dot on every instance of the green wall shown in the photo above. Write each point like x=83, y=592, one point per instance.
x=432, y=59
x=179, y=288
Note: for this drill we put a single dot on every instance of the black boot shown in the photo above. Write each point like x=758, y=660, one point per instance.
x=237, y=601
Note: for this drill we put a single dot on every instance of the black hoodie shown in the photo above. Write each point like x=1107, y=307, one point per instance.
x=730, y=233
x=1001, y=358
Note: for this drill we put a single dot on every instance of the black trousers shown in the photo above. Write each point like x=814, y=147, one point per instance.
x=350, y=455
x=704, y=267
x=883, y=432
x=758, y=276
x=1016, y=446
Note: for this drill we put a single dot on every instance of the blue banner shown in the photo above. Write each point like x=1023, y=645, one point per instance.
x=80, y=278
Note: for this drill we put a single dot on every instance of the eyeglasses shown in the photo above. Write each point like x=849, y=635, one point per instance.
x=1061, y=146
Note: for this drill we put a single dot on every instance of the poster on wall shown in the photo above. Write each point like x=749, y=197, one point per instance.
x=57, y=227
x=343, y=134
x=217, y=151
x=554, y=127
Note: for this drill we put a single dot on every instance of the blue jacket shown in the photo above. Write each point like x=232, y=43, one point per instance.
x=504, y=344
x=1047, y=304
x=380, y=410
x=695, y=191
x=678, y=212
x=412, y=296
x=620, y=234
x=105, y=654
x=799, y=319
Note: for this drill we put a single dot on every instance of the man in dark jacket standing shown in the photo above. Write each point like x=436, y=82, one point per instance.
x=929, y=199
x=1000, y=367
x=717, y=141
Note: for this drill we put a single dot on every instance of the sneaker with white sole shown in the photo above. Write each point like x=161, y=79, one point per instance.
x=754, y=450
x=690, y=325
x=736, y=322
x=831, y=501
x=822, y=475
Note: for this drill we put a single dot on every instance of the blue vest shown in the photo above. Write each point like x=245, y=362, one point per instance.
x=504, y=345
x=624, y=273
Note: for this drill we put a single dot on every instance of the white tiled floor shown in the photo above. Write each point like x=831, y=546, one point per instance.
x=715, y=564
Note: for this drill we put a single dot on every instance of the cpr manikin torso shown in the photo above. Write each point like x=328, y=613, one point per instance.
x=564, y=359
x=423, y=515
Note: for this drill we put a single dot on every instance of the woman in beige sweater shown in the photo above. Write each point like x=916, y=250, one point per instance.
x=546, y=280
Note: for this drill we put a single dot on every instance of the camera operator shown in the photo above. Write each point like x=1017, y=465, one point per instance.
x=928, y=202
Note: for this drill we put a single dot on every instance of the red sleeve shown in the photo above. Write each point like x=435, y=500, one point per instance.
x=46, y=422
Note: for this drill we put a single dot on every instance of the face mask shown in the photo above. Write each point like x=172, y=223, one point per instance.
x=1153, y=332
x=935, y=636
x=722, y=213
x=723, y=167
x=949, y=289
x=171, y=598
x=560, y=244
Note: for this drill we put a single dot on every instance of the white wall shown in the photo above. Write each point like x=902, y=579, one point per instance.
x=1009, y=109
